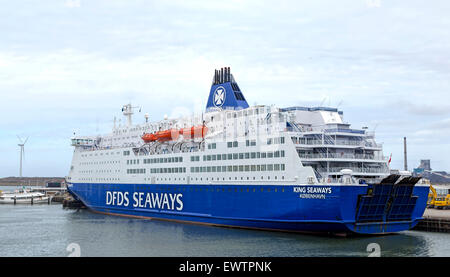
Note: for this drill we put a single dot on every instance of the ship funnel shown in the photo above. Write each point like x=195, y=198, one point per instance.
x=225, y=92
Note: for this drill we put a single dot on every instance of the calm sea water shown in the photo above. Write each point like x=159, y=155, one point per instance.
x=47, y=230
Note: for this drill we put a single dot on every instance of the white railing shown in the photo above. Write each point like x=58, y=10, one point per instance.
x=357, y=170
x=341, y=156
x=337, y=142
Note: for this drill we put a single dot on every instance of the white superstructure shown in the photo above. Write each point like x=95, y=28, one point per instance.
x=262, y=144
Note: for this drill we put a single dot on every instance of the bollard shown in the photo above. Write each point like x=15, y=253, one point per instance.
x=14, y=200
x=31, y=200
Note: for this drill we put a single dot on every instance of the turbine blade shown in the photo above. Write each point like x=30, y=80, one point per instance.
x=26, y=140
x=20, y=139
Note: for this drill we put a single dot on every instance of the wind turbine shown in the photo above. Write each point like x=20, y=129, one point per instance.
x=22, y=152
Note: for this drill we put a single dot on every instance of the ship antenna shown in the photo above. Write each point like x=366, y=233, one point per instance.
x=376, y=125
x=321, y=103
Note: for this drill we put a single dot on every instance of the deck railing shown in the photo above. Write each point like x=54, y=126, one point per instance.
x=341, y=156
x=337, y=142
x=356, y=170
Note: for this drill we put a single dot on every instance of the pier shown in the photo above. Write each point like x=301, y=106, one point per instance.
x=56, y=194
x=435, y=221
x=49, y=190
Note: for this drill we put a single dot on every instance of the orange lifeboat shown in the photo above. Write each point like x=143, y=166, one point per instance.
x=148, y=138
x=194, y=132
x=171, y=134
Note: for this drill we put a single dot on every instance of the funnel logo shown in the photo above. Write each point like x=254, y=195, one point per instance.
x=219, y=96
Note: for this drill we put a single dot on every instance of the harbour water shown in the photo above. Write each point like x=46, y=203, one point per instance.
x=48, y=230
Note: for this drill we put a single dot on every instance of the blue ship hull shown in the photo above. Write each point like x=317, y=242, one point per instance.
x=362, y=209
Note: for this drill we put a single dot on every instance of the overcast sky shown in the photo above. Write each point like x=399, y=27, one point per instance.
x=70, y=65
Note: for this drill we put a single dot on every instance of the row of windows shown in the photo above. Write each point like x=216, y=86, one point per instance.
x=248, y=112
x=250, y=142
x=278, y=140
x=215, y=157
x=168, y=170
x=241, y=156
x=206, y=189
x=163, y=160
x=195, y=158
x=99, y=171
x=179, y=179
x=239, y=168
x=100, y=162
x=157, y=170
x=231, y=144
x=212, y=146
x=101, y=154
x=136, y=171
x=99, y=179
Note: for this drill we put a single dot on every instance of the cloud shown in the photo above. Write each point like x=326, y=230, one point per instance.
x=373, y=3
x=422, y=108
x=387, y=65
x=73, y=3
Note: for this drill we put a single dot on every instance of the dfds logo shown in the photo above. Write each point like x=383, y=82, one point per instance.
x=219, y=96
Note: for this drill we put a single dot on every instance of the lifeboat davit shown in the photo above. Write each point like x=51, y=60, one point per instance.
x=148, y=138
x=194, y=132
x=171, y=134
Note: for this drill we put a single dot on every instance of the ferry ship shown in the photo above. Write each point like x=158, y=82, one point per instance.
x=295, y=169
